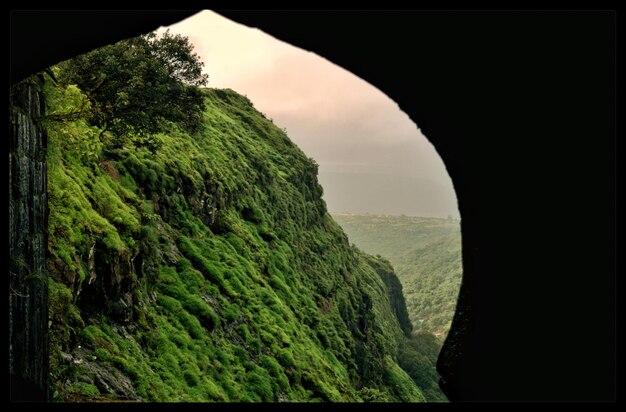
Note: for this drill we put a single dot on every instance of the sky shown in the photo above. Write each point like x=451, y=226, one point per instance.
x=372, y=157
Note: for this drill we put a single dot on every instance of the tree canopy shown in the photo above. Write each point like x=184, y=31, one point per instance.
x=138, y=83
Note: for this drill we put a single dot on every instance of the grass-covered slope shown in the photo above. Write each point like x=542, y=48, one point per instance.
x=426, y=255
x=205, y=267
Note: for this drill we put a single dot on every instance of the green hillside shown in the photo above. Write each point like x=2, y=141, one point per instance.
x=426, y=255
x=200, y=264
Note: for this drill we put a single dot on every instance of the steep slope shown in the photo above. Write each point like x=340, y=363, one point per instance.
x=426, y=254
x=206, y=268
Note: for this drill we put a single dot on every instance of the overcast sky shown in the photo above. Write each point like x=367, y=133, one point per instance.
x=372, y=157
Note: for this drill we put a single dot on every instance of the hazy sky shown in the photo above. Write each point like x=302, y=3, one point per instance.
x=372, y=157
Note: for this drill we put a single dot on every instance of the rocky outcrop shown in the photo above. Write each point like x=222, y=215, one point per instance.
x=394, y=287
x=109, y=288
x=28, y=241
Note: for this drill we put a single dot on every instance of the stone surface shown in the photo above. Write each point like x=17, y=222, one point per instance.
x=28, y=239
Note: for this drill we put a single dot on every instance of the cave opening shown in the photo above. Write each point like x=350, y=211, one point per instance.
x=469, y=61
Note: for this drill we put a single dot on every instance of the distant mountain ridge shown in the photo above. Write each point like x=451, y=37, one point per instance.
x=387, y=194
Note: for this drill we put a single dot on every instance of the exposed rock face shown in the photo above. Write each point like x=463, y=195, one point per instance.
x=108, y=380
x=396, y=298
x=109, y=289
x=28, y=240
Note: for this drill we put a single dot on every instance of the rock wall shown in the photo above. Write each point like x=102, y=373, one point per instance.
x=28, y=239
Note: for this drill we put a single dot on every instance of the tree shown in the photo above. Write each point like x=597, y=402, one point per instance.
x=137, y=84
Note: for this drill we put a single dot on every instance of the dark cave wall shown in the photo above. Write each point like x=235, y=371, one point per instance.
x=28, y=241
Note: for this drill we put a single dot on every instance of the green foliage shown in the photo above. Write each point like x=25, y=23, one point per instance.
x=402, y=384
x=85, y=389
x=426, y=254
x=419, y=359
x=373, y=395
x=134, y=85
x=65, y=323
x=240, y=285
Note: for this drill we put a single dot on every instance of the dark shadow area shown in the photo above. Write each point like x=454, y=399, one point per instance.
x=40, y=39
x=521, y=108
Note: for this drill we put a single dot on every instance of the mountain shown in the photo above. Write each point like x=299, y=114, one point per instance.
x=204, y=267
x=425, y=252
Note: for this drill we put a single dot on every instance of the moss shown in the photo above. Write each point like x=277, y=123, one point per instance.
x=243, y=287
x=401, y=383
x=85, y=389
x=260, y=383
x=102, y=354
x=373, y=395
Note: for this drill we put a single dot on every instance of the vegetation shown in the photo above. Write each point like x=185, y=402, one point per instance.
x=205, y=267
x=426, y=254
x=134, y=85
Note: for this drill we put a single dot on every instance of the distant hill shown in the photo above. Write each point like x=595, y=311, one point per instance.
x=426, y=255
